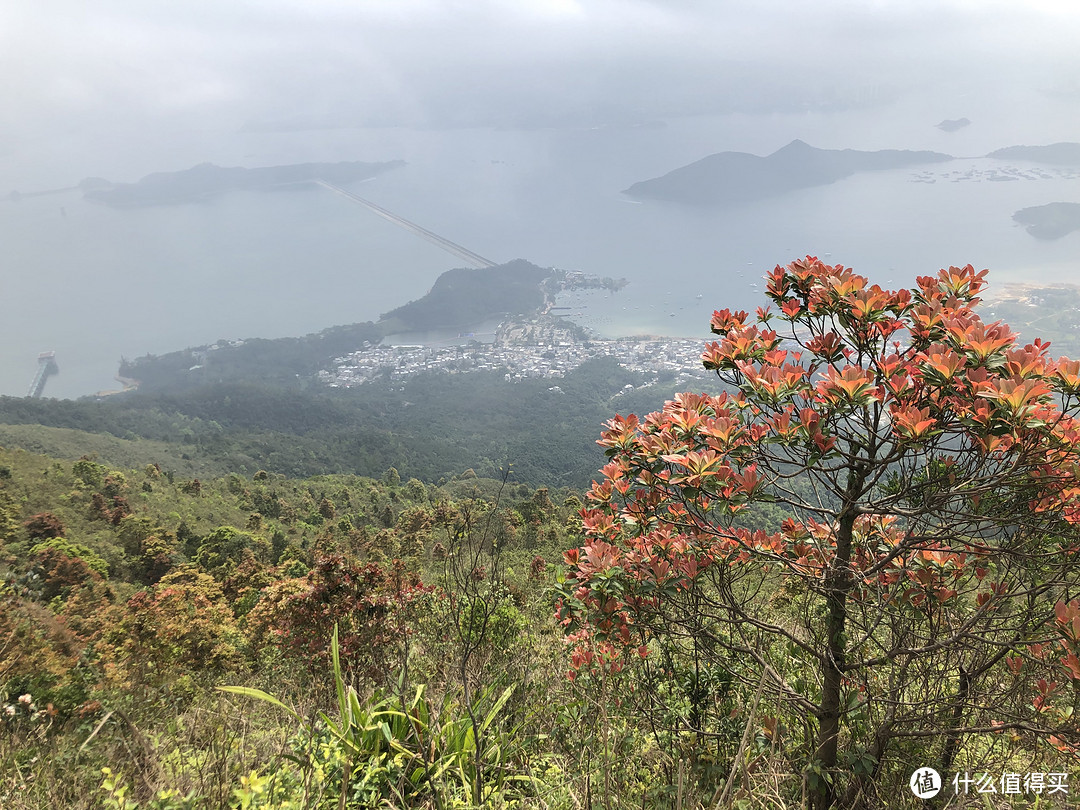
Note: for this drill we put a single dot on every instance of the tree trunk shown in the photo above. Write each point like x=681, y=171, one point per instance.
x=837, y=585
x=952, y=738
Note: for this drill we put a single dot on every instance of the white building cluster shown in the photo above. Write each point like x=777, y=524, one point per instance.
x=548, y=355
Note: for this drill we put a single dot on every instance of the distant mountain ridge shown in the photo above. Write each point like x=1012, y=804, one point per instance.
x=207, y=180
x=736, y=177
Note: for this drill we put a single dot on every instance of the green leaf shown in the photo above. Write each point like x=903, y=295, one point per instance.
x=258, y=694
x=505, y=696
x=339, y=682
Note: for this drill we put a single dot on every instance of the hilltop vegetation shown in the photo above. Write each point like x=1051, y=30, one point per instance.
x=928, y=470
x=128, y=595
x=762, y=579
x=852, y=553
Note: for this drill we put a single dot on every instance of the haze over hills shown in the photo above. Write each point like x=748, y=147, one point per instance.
x=718, y=179
x=245, y=247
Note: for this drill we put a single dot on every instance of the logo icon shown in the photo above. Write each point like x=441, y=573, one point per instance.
x=925, y=783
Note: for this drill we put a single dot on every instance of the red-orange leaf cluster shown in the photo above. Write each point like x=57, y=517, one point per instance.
x=941, y=441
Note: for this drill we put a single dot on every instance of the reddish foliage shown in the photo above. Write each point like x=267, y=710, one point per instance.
x=44, y=525
x=366, y=601
x=114, y=509
x=947, y=451
x=60, y=573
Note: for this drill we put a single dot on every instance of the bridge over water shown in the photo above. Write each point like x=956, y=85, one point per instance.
x=46, y=368
x=474, y=259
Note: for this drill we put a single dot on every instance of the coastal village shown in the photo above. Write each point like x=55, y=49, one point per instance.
x=544, y=347
x=547, y=346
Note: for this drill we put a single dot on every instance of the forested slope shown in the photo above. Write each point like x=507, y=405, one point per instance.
x=430, y=426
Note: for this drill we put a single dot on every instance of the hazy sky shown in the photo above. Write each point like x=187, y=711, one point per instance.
x=504, y=110
x=115, y=66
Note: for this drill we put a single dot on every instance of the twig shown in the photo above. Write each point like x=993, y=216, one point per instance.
x=93, y=734
x=716, y=800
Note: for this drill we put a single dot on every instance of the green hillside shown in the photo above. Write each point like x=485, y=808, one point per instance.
x=431, y=426
x=128, y=594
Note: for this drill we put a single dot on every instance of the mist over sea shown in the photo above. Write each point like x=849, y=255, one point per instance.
x=94, y=283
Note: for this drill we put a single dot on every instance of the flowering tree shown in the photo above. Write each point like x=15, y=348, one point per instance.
x=917, y=582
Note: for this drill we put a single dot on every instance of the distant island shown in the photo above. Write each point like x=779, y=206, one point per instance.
x=953, y=124
x=1051, y=221
x=729, y=178
x=1058, y=154
x=207, y=180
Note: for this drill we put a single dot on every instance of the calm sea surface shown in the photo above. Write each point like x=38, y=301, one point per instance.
x=95, y=284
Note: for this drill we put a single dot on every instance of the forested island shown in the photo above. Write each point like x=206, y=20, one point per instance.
x=1060, y=154
x=729, y=178
x=1051, y=221
x=465, y=297
x=207, y=180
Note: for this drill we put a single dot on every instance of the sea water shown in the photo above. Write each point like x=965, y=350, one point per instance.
x=95, y=284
